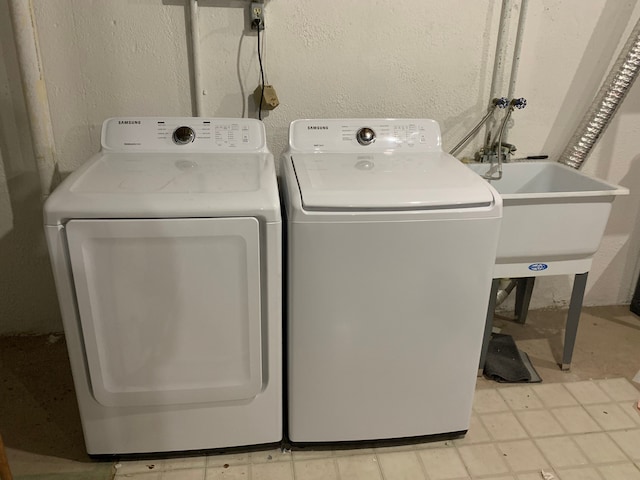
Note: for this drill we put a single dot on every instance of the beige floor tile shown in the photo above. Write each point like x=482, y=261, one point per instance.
x=233, y=472
x=521, y=398
x=623, y=471
x=139, y=476
x=536, y=475
x=522, y=456
x=554, y=395
x=619, y=389
x=503, y=426
x=353, y=451
x=185, y=462
x=189, y=474
x=476, y=434
x=443, y=463
x=140, y=466
x=398, y=448
x=230, y=459
x=483, y=459
x=561, y=452
x=629, y=442
x=599, y=448
x=610, y=416
x=269, y=456
x=488, y=401
x=631, y=409
x=358, y=467
x=539, y=423
x=575, y=420
x=441, y=444
x=401, y=466
x=583, y=473
x=322, y=469
x=310, y=454
x=587, y=392
x=272, y=471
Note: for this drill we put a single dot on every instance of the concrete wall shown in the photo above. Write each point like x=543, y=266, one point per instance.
x=348, y=58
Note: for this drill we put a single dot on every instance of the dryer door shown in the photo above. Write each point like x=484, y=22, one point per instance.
x=169, y=308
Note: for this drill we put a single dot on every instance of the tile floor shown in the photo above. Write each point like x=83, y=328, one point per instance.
x=576, y=425
x=577, y=431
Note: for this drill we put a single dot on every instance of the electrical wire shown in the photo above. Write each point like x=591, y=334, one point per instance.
x=261, y=75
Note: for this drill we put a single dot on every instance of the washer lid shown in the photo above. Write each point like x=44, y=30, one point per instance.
x=168, y=185
x=171, y=173
x=387, y=182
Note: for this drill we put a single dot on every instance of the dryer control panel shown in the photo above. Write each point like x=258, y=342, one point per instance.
x=183, y=134
x=365, y=135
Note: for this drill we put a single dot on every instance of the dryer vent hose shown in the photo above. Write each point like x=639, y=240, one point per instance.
x=606, y=103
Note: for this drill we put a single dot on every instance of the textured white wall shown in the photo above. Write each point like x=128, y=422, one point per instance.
x=348, y=58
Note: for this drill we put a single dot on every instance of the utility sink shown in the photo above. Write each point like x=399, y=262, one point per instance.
x=553, y=218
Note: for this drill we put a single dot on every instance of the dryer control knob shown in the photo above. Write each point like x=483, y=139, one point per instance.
x=183, y=135
x=365, y=136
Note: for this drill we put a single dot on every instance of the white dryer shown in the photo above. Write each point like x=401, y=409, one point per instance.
x=166, y=251
x=391, y=245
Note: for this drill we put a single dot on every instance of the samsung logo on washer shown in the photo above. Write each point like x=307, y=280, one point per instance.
x=129, y=122
x=317, y=127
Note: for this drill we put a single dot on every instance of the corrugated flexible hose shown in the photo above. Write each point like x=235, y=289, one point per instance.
x=606, y=103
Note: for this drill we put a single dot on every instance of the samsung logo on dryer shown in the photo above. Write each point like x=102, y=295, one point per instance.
x=317, y=127
x=129, y=122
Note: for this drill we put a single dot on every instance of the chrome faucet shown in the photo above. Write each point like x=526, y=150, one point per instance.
x=495, y=170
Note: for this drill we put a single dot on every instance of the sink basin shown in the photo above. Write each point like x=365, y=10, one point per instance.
x=553, y=218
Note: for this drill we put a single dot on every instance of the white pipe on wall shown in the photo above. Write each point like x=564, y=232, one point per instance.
x=517, y=47
x=195, y=52
x=501, y=48
x=35, y=92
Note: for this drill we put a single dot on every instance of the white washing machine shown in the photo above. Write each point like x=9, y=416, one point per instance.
x=166, y=251
x=391, y=245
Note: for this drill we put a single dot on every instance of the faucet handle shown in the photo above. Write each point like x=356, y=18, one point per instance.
x=501, y=102
x=519, y=103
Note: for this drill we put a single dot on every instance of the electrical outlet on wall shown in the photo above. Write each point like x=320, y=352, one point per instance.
x=257, y=16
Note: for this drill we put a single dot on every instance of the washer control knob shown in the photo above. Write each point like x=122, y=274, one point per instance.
x=183, y=135
x=365, y=136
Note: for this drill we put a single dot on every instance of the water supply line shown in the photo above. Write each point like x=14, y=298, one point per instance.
x=195, y=57
x=35, y=93
x=495, y=103
x=501, y=49
x=606, y=102
x=495, y=170
x=517, y=48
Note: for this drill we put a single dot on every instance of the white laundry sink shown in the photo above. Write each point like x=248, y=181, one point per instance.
x=553, y=218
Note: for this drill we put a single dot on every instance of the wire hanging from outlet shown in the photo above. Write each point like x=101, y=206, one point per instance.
x=261, y=76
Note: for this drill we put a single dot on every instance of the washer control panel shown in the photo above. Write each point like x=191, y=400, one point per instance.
x=184, y=134
x=360, y=135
